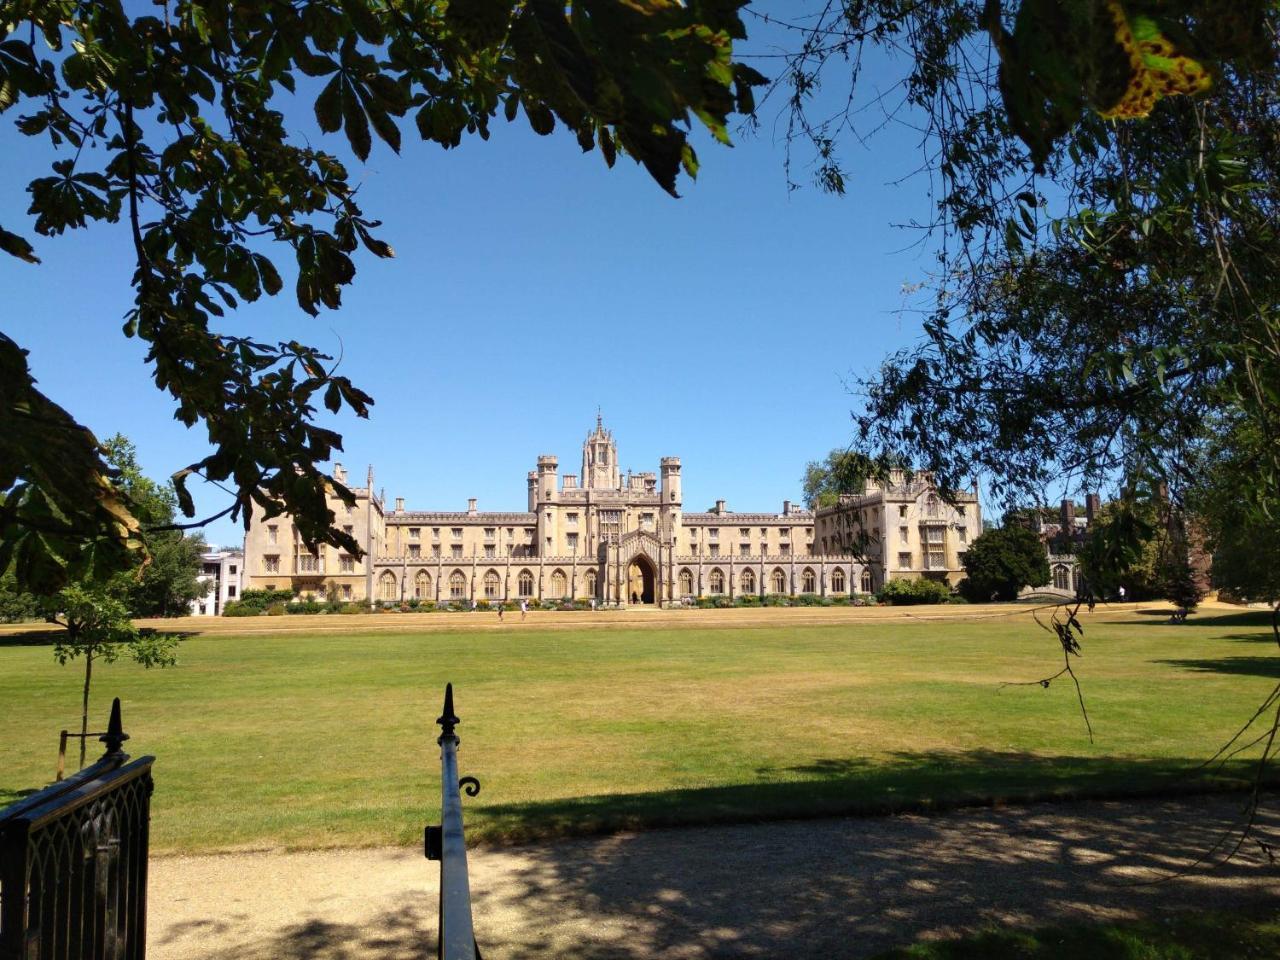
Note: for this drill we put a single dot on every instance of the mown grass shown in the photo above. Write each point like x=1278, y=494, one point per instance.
x=1243, y=935
x=329, y=740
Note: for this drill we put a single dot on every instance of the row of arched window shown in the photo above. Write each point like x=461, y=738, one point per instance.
x=491, y=585
x=777, y=581
x=558, y=584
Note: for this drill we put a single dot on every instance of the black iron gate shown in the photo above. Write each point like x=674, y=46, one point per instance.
x=73, y=862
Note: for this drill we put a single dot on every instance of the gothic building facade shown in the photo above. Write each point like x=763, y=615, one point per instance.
x=619, y=538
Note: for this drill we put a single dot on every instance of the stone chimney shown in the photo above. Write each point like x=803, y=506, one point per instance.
x=471, y=506
x=1092, y=507
x=399, y=504
x=340, y=473
x=720, y=507
x=786, y=508
x=1068, y=517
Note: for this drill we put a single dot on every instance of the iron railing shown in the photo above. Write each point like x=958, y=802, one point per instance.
x=446, y=843
x=73, y=862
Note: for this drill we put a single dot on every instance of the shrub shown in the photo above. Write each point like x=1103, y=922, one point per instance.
x=353, y=608
x=275, y=610
x=907, y=592
x=305, y=606
x=776, y=600
x=482, y=605
x=254, y=602
x=749, y=600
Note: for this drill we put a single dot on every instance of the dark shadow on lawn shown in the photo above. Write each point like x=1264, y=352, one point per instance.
x=40, y=635
x=10, y=795
x=45, y=635
x=838, y=890
x=1247, y=618
x=854, y=786
x=1239, y=666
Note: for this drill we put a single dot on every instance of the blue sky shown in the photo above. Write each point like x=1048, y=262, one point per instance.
x=531, y=285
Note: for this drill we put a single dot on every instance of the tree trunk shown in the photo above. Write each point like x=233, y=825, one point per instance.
x=84, y=711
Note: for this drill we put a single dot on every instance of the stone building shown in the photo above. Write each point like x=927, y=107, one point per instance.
x=903, y=528
x=221, y=572
x=617, y=537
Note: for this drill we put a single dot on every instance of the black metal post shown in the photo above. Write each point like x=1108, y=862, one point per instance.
x=447, y=844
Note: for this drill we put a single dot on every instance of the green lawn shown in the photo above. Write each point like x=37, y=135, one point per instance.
x=319, y=740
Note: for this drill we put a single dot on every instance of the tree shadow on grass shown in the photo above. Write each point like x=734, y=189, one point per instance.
x=1237, y=666
x=40, y=635
x=1247, y=618
x=9, y=795
x=855, y=786
x=46, y=635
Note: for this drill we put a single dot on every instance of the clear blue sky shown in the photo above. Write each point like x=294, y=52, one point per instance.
x=532, y=284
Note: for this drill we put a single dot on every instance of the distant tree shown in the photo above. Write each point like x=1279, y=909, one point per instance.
x=1125, y=548
x=1242, y=536
x=1001, y=562
x=16, y=605
x=98, y=628
x=165, y=586
x=842, y=471
x=1178, y=581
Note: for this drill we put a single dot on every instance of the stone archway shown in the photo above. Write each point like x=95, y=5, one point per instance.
x=642, y=580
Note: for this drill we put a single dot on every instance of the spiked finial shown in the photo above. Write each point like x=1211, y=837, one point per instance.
x=447, y=720
x=115, y=736
x=599, y=418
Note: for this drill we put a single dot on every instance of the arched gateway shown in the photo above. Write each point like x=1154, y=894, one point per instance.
x=642, y=580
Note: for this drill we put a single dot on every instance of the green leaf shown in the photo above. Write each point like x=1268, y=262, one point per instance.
x=357, y=127
x=329, y=105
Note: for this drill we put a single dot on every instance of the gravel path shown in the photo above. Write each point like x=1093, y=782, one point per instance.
x=829, y=888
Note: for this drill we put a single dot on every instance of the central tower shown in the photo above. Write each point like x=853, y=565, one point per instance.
x=600, y=460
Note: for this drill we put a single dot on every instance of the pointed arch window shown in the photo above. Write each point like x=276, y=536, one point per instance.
x=422, y=585
x=492, y=585
x=837, y=580
x=558, y=585
x=387, y=586
x=1061, y=577
x=525, y=584
x=457, y=585
x=748, y=581
x=778, y=581
x=809, y=581
x=686, y=583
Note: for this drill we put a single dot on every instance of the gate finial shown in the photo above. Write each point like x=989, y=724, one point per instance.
x=447, y=720
x=115, y=736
